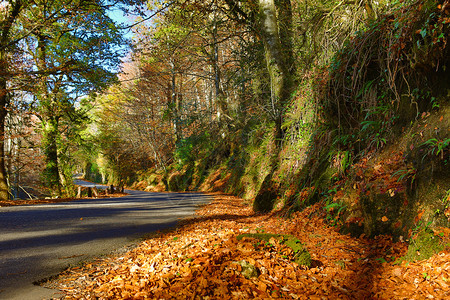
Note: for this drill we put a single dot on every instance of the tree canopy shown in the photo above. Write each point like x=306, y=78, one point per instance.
x=286, y=103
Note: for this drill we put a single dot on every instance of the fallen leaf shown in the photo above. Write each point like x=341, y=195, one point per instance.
x=419, y=216
x=397, y=272
x=164, y=268
x=391, y=192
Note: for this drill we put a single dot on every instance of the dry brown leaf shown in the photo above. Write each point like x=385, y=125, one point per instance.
x=165, y=267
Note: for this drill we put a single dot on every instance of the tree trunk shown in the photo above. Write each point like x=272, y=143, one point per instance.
x=50, y=122
x=174, y=104
x=277, y=61
x=10, y=17
x=179, y=109
x=222, y=105
x=50, y=145
x=276, y=57
x=4, y=189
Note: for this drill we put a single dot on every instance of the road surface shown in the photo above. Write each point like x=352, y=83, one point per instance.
x=39, y=241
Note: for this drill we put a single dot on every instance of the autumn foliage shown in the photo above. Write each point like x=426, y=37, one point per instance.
x=202, y=259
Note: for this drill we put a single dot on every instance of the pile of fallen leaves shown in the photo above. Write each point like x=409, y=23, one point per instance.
x=202, y=259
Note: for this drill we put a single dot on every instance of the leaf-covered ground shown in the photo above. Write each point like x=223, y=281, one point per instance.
x=4, y=203
x=201, y=259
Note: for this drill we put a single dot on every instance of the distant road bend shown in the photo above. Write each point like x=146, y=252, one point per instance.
x=39, y=241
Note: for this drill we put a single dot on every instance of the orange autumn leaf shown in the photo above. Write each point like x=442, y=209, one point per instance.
x=419, y=216
x=198, y=260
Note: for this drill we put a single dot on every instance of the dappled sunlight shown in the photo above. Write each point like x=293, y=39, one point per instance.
x=327, y=119
x=202, y=258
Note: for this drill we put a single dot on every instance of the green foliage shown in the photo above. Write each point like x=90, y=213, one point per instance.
x=369, y=97
x=72, y=49
x=323, y=28
x=190, y=148
x=403, y=174
x=446, y=198
x=436, y=147
x=334, y=208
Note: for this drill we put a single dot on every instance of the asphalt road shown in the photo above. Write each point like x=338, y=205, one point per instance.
x=39, y=241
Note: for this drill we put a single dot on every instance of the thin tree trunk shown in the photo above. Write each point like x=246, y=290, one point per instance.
x=179, y=108
x=4, y=189
x=174, y=104
x=219, y=94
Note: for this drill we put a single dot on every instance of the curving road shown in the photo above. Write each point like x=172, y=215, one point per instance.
x=39, y=241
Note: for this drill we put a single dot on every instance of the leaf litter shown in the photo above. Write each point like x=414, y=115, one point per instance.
x=202, y=259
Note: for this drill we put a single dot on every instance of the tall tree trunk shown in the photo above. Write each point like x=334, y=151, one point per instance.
x=50, y=124
x=50, y=145
x=174, y=104
x=4, y=189
x=276, y=54
x=179, y=109
x=222, y=105
x=10, y=18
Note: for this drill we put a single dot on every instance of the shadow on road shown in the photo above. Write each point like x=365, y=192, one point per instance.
x=39, y=241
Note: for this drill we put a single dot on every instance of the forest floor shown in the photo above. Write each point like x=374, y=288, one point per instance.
x=202, y=259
